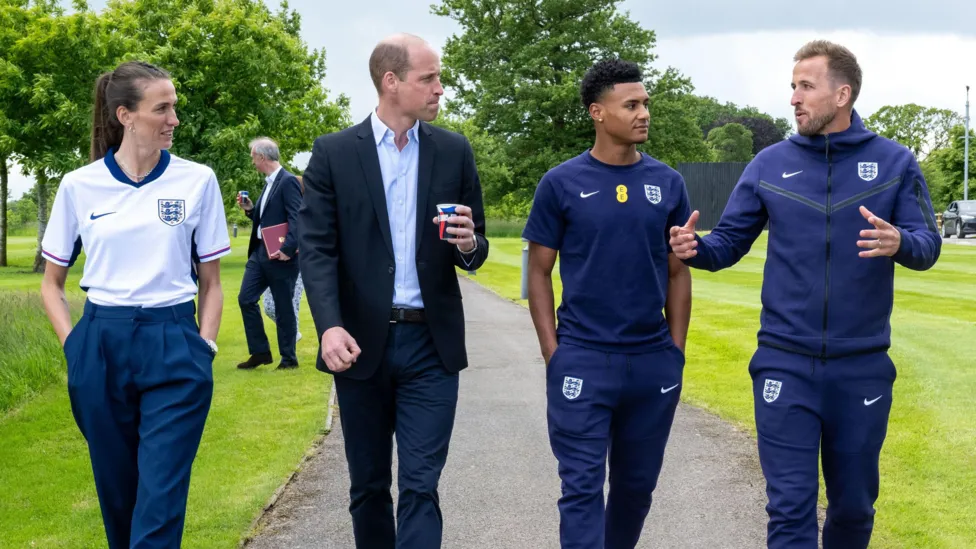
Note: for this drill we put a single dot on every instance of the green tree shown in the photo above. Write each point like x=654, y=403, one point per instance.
x=489, y=156
x=6, y=151
x=12, y=27
x=935, y=180
x=950, y=164
x=674, y=136
x=240, y=71
x=48, y=72
x=516, y=68
x=766, y=130
x=4, y=196
x=921, y=129
x=731, y=143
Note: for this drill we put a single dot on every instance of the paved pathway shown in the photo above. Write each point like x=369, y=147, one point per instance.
x=500, y=487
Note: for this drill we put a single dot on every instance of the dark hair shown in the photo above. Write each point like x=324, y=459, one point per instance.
x=112, y=90
x=603, y=75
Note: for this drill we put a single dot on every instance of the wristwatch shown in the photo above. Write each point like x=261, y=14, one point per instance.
x=213, y=346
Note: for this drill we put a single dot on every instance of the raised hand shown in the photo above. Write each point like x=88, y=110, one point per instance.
x=683, y=241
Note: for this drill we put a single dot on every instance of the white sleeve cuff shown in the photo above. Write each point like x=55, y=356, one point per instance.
x=56, y=259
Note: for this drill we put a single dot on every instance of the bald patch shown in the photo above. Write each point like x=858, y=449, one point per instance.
x=403, y=40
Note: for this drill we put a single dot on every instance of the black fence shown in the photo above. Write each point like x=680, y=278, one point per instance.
x=709, y=186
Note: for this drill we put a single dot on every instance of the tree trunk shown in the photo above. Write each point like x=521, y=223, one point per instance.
x=3, y=211
x=42, y=208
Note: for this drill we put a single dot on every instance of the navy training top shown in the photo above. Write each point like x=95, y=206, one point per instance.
x=610, y=225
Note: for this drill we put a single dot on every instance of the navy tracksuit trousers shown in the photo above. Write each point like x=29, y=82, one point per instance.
x=140, y=383
x=836, y=410
x=621, y=404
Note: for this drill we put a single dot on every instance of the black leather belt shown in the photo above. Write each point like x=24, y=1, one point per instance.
x=407, y=315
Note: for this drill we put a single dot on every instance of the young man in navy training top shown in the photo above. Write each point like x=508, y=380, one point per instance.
x=822, y=378
x=615, y=364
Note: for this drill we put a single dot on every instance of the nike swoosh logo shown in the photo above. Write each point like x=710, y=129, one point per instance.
x=584, y=195
x=870, y=402
x=94, y=217
x=787, y=175
x=669, y=389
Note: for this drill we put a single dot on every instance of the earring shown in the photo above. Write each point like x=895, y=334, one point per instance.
x=599, y=120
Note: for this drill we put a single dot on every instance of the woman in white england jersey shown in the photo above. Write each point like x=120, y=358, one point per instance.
x=139, y=366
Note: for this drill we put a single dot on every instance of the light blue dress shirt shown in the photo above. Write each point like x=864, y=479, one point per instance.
x=399, y=169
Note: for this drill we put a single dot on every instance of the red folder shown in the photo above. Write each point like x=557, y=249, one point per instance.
x=274, y=238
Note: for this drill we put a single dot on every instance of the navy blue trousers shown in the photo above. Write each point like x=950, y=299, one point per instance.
x=140, y=383
x=414, y=397
x=836, y=410
x=260, y=274
x=621, y=404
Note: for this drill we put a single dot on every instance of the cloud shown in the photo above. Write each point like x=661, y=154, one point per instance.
x=756, y=68
x=708, y=17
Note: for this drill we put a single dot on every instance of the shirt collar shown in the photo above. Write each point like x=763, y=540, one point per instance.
x=380, y=129
x=273, y=176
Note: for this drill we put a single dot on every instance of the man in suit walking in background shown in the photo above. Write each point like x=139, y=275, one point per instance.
x=383, y=290
x=279, y=203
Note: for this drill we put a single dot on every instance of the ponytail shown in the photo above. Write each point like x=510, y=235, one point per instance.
x=106, y=130
x=114, y=89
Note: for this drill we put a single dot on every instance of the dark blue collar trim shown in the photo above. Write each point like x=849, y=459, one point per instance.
x=117, y=173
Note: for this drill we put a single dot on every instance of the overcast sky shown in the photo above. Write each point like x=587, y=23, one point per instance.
x=735, y=51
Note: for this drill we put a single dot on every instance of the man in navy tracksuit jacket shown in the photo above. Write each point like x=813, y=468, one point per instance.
x=843, y=206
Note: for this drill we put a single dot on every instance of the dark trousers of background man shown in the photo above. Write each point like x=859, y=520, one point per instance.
x=262, y=273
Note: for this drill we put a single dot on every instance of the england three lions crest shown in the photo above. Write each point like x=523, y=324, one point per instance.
x=653, y=193
x=867, y=170
x=572, y=387
x=171, y=211
x=771, y=390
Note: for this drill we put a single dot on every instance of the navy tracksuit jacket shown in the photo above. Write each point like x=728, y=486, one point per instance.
x=822, y=376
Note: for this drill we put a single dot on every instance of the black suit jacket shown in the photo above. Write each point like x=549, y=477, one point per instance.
x=282, y=207
x=347, y=261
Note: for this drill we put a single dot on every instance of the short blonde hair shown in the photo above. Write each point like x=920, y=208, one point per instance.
x=841, y=63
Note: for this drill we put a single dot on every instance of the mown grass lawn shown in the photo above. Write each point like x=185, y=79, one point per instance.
x=928, y=465
x=261, y=424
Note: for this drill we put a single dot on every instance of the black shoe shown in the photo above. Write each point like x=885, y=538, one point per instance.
x=255, y=361
x=287, y=365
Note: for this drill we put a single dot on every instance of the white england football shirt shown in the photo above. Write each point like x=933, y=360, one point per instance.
x=141, y=240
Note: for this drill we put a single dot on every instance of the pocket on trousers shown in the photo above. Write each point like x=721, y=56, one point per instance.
x=74, y=344
x=196, y=345
x=552, y=359
x=581, y=422
x=679, y=356
x=572, y=386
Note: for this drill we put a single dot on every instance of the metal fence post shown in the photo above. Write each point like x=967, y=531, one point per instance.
x=525, y=269
x=235, y=230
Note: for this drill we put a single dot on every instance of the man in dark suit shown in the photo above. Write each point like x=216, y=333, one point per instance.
x=383, y=289
x=279, y=203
